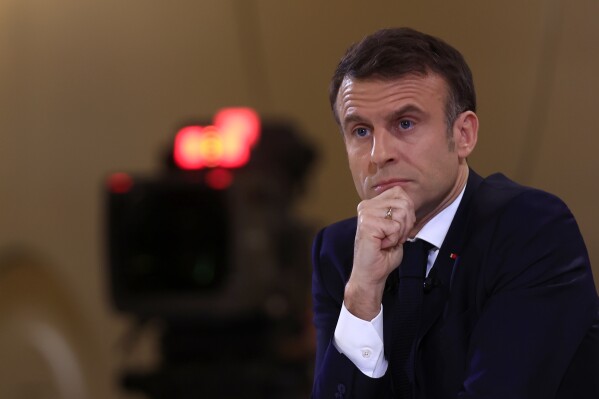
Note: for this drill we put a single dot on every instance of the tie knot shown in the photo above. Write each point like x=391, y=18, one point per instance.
x=415, y=257
x=420, y=245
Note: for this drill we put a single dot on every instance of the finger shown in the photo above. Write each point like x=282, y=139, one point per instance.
x=391, y=208
x=389, y=223
x=393, y=192
x=389, y=213
x=389, y=232
x=392, y=239
x=371, y=224
x=402, y=211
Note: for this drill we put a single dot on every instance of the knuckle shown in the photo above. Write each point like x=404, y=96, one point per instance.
x=360, y=206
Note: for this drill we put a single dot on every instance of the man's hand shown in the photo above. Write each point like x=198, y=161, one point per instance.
x=378, y=249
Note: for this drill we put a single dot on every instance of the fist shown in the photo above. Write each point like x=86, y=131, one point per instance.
x=384, y=223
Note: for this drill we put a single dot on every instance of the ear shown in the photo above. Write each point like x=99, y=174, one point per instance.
x=465, y=133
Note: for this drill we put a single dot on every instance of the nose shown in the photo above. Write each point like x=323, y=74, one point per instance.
x=383, y=149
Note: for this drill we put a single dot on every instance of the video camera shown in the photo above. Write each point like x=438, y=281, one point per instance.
x=214, y=242
x=212, y=247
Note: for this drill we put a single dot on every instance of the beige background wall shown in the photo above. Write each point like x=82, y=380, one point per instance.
x=89, y=87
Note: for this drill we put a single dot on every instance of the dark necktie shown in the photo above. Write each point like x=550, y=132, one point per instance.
x=407, y=320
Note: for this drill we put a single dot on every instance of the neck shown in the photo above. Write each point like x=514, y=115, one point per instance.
x=455, y=191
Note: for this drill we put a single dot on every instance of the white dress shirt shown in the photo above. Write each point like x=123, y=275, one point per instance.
x=362, y=341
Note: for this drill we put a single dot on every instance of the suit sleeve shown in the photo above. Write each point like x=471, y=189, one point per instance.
x=536, y=300
x=335, y=376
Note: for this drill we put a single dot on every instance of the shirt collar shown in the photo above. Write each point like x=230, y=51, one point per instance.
x=435, y=230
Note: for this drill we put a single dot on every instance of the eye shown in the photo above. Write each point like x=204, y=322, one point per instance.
x=406, y=124
x=361, y=132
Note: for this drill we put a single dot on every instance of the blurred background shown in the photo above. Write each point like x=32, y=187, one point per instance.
x=90, y=87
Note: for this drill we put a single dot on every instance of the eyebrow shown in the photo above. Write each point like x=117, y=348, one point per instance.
x=351, y=119
x=406, y=109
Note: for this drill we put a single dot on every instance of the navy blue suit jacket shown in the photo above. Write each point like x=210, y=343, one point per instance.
x=514, y=315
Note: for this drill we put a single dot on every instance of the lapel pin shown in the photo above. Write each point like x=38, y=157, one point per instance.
x=453, y=256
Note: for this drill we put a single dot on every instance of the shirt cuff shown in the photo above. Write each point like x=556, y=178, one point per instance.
x=362, y=342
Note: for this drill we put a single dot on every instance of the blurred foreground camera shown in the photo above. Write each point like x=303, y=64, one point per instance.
x=212, y=247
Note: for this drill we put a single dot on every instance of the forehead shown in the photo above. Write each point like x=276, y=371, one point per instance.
x=357, y=96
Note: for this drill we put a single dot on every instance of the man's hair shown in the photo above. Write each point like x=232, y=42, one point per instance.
x=394, y=53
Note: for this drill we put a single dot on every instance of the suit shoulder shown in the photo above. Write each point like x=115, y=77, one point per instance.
x=527, y=238
x=498, y=194
x=518, y=218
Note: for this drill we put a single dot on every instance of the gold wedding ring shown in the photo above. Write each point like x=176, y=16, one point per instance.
x=389, y=214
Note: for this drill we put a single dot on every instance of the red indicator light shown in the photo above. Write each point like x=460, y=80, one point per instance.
x=197, y=147
x=219, y=179
x=119, y=183
x=227, y=143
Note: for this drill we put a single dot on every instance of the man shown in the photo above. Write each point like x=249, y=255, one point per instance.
x=498, y=302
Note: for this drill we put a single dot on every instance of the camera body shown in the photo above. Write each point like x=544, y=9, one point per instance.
x=180, y=248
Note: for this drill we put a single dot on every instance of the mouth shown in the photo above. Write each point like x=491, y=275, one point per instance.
x=385, y=185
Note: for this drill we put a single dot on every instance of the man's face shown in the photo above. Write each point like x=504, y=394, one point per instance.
x=395, y=133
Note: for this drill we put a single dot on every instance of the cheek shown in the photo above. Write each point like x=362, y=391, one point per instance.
x=356, y=170
x=358, y=167
x=445, y=170
x=354, y=156
x=358, y=161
